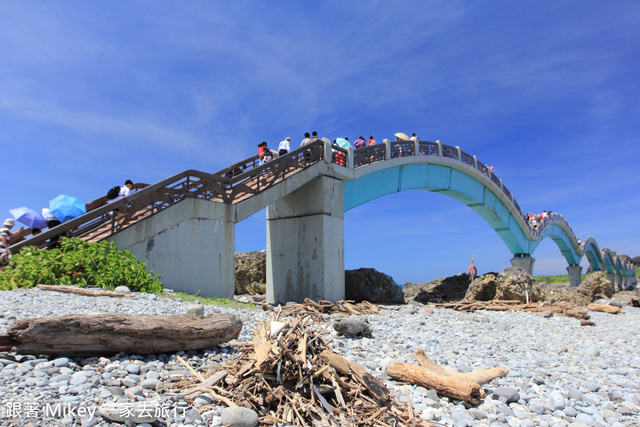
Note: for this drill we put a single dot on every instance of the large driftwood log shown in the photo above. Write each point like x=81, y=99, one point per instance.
x=448, y=385
x=83, y=291
x=84, y=335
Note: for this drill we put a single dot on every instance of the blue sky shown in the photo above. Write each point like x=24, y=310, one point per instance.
x=93, y=93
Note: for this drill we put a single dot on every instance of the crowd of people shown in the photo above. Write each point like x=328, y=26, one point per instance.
x=536, y=220
x=266, y=154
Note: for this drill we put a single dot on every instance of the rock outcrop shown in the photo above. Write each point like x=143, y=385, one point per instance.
x=596, y=286
x=368, y=284
x=443, y=289
x=511, y=284
x=251, y=273
x=517, y=284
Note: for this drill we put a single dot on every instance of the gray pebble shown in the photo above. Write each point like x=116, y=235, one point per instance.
x=555, y=401
x=239, y=417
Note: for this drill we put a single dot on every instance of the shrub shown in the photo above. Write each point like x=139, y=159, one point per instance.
x=79, y=263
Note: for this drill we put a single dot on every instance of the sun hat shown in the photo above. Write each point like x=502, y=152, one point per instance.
x=9, y=222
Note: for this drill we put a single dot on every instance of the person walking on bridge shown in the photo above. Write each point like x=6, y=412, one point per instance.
x=305, y=141
x=124, y=191
x=264, y=153
x=284, y=147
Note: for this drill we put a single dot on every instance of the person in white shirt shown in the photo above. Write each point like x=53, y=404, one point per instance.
x=284, y=146
x=124, y=191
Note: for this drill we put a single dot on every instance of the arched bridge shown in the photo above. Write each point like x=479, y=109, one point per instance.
x=184, y=226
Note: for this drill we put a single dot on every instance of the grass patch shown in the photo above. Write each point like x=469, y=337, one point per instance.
x=557, y=279
x=222, y=302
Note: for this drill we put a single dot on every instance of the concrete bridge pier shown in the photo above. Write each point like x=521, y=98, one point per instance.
x=191, y=246
x=305, y=243
x=575, y=272
x=523, y=261
x=612, y=278
x=619, y=281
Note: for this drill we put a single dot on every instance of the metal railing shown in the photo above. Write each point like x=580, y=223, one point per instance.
x=248, y=178
x=376, y=153
x=231, y=185
x=370, y=154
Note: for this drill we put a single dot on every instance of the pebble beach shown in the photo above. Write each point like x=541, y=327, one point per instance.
x=560, y=373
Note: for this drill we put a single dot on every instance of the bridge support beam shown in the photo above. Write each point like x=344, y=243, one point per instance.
x=523, y=261
x=575, y=272
x=191, y=246
x=305, y=243
x=619, y=281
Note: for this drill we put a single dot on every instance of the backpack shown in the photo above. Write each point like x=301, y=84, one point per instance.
x=113, y=193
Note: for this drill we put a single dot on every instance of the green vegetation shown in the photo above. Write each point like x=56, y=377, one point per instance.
x=79, y=263
x=209, y=301
x=557, y=279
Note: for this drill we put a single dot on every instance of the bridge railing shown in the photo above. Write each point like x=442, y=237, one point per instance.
x=369, y=154
x=377, y=153
x=247, y=178
x=230, y=185
x=402, y=149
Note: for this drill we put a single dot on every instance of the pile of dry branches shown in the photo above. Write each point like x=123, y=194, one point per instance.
x=317, y=310
x=288, y=374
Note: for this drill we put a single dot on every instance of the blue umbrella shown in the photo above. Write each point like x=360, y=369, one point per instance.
x=28, y=217
x=343, y=143
x=65, y=208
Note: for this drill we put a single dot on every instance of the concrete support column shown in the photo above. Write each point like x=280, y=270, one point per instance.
x=523, y=261
x=350, y=158
x=305, y=243
x=634, y=282
x=626, y=282
x=575, y=272
x=619, y=282
x=191, y=245
x=612, y=278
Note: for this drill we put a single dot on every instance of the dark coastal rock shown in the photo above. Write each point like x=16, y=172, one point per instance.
x=368, y=284
x=443, y=289
x=251, y=273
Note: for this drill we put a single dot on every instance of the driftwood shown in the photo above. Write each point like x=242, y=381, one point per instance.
x=92, y=334
x=611, y=309
x=462, y=386
x=515, y=305
x=346, y=366
x=460, y=389
x=560, y=309
x=288, y=374
x=481, y=377
x=83, y=291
